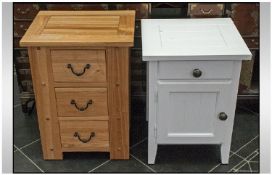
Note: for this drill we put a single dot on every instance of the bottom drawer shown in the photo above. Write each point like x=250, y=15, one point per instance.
x=84, y=135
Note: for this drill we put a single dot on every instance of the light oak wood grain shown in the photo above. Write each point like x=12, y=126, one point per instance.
x=78, y=59
x=81, y=28
x=81, y=96
x=101, y=39
x=45, y=103
x=118, y=100
x=100, y=142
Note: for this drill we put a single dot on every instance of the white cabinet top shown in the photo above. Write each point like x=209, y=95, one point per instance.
x=192, y=39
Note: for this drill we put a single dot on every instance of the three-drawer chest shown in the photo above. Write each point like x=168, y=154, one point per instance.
x=193, y=74
x=80, y=69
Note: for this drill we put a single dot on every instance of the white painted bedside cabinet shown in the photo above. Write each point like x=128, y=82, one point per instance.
x=193, y=75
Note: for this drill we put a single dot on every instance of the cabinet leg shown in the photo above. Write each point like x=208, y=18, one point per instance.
x=225, y=151
x=152, y=151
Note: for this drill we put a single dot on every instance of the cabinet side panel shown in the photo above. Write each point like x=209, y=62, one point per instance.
x=118, y=101
x=45, y=103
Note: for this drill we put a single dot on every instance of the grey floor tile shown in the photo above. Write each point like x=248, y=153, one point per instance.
x=138, y=131
x=246, y=127
x=23, y=165
x=251, y=150
x=246, y=167
x=123, y=166
x=181, y=158
x=16, y=93
x=72, y=162
x=252, y=105
x=25, y=127
x=233, y=162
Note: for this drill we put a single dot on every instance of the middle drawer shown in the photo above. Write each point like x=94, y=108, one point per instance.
x=81, y=102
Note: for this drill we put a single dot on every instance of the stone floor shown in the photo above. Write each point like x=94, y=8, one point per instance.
x=244, y=155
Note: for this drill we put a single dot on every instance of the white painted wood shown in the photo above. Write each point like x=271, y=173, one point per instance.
x=188, y=114
x=183, y=109
x=231, y=97
x=151, y=110
x=184, y=69
x=192, y=39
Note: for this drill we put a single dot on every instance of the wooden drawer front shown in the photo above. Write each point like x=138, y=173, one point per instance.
x=79, y=65
x=84, y=135
x=185, y=69
x=81, y=102
x=205, y=10
x=77, y=6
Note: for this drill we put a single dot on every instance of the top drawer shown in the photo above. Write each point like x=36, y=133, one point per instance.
x=79, y=65
x=195, y=70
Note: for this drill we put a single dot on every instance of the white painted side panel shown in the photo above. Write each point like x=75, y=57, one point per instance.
x=152, y=111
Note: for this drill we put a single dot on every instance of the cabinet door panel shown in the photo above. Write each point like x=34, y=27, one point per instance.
x=188, y=112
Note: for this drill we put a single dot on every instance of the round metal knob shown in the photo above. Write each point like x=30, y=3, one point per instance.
x=197, y=73
x=223, y=116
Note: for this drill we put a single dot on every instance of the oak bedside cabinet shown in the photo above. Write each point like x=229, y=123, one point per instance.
x=80, y=69
x=193, y=74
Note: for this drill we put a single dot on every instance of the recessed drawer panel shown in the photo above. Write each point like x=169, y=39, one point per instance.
x=84, y=135
x=79, y=65
x=195, y=70
x=80, y=102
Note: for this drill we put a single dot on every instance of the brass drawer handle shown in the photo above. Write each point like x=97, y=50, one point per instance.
x=73, y=102
x=197, y=73
x=206, y=12
x=76, y=134
x=87, y=66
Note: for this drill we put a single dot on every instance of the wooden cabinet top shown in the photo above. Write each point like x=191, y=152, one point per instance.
x=81, y=28
x=192, y=39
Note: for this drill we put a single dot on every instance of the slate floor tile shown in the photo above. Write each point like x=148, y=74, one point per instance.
x=181, y=158
x=22, y=165
x=252, y=105
x=233, y=161
x=16, y=93
x=251, y=150
x=25, y=127
x=138, y=131
x=123, y=166
x=246, y=127
x=72, y=162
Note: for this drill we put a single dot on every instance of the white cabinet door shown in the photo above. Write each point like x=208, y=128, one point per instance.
x=188, y=112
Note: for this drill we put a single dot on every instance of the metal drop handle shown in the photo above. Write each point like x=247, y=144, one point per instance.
x=197, y=73
x=76, y=134
x=87, y=66
x=222, y=116
x=206, y=12
x=73, y=102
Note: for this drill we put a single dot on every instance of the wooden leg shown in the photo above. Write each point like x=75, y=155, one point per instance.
x=225, y=151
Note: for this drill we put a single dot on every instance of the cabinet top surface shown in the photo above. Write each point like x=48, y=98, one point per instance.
x=192, y=39
x=81, y=28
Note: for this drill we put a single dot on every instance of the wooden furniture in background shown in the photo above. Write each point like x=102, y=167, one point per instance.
x=80, y=69
x=193, y=76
